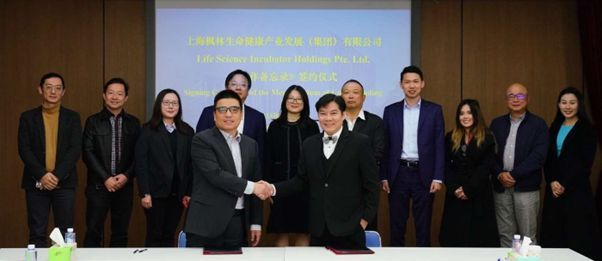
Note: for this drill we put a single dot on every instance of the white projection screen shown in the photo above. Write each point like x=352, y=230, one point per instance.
x=315, y=44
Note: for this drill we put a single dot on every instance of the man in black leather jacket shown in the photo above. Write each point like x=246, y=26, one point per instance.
x=108, y=151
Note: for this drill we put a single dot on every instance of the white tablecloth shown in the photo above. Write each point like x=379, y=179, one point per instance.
x=294, y=254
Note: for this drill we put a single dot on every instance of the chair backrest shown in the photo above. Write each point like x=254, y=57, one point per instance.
x=373, y=239
x=182, y=239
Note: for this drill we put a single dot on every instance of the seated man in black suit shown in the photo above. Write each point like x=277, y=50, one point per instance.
x=339, y=169
x=225, y=166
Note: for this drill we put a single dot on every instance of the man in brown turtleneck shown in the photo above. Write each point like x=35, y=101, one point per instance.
x=49, y=144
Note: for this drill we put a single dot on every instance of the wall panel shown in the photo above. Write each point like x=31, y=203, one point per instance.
x=441, y=59
x=532, y=42
x=39, y=37
x=124, y=56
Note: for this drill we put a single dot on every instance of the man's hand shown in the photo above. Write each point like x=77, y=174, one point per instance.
x=385, y=186
x=459, y=193
x=557, y=189
x=147, y=202
x=186, y=201
x=112, y=184
x=363, y=223
x=49, y=181
x=255, y=236
x=263, y=190
x=121, y=179
x=435, y=186
x=506, y=179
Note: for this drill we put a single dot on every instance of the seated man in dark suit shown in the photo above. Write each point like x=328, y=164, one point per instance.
x=225, y=166
x=339, y=169
x=50, y=138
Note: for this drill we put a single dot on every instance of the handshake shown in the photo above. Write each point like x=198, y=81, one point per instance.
x=263, y=190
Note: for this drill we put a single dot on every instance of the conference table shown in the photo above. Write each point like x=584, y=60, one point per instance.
x=293, y=253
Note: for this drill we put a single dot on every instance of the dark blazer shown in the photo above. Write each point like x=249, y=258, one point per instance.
x=254, y=124
x=32, y=147
x=342, y=194
x=570, y=220
x=373, y=127
x=431, y=142
x=280, y=162
x=155, y=162
x=529, y=152
x=471, y=222
x=97, y=146
x=216, y=186
x=572, y=167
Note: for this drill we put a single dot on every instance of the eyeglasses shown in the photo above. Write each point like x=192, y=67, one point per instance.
x=519, y=96
x=224, y=109
x=294, y=100
x=172, y=103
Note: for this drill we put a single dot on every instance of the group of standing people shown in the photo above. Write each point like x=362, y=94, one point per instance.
x=508, y=158
x=322, y=187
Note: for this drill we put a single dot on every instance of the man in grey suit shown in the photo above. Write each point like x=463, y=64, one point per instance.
x=225, y=168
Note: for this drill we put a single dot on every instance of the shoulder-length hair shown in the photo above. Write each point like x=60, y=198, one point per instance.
x=284, y=112
x=581, y=112
x=157, y=118
x=478, y=130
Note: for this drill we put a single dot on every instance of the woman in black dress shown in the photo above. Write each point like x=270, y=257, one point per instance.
x=469, y=214
x=569, y=216
x=163, y=169
x=289, y=215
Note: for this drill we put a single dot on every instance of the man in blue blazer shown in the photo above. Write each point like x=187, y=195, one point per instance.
x=413, y=165
x=252, y=123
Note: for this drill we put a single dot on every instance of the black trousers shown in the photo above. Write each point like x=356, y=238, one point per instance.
x=39, y=203
x=355, y=240
x=162, y=219
x=233, y=237
x=100, y=202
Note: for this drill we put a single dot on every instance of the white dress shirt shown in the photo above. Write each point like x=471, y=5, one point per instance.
x=234, y=145
x=350, y=123
x=330, y=146
x=411, y=115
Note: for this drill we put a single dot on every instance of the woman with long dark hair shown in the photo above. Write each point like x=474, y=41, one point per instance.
x=289, y=215
x=569, y=215
x=469, y=214
x=163, y=169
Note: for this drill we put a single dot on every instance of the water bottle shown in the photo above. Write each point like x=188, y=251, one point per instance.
x=31, y=254
x=516, y=243
x=70, y=237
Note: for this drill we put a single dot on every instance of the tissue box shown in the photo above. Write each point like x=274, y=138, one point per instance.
x=57, y=253
x=513, y=256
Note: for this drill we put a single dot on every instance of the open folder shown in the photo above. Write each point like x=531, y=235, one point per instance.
x=340, y=251
x=222, y=251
